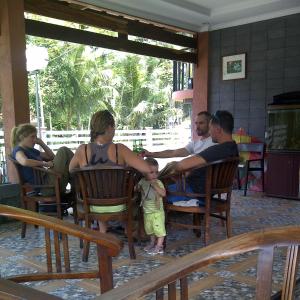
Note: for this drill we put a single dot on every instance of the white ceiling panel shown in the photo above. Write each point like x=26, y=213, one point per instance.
x=198, y=14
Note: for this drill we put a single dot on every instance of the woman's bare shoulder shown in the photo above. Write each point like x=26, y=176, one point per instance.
x=80, y=150
x=122, y=147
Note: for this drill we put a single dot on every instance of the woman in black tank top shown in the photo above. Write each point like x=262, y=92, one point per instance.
x=102, y=151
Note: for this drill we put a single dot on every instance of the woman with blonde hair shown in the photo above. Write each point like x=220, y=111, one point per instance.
x=102, y=151
x=23, y=139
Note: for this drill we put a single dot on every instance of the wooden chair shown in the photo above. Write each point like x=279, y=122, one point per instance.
x=249, y=165
x=56, y=240
x=31, y=198
x=178, y=271
x=105, y=186
x=218, y=186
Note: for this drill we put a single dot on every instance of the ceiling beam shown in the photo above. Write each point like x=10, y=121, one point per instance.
x=64, y=11
x=57, y=32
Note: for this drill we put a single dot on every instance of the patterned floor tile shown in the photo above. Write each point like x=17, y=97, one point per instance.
x=232, y=278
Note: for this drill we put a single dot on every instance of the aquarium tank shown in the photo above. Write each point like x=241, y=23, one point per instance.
x=283, y=128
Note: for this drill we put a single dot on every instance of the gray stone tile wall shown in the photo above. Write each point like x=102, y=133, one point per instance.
x=272, y=50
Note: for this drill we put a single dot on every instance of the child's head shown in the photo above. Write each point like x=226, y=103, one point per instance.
x=153, y=164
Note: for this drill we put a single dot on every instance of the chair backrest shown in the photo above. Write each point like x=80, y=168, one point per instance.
x=220, y=175
x=255, y=148
x=56, y=241
x=41, y=178
x=105, y=185
x=265, y=241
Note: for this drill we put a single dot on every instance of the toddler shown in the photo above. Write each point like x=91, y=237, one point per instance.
x=153, y=191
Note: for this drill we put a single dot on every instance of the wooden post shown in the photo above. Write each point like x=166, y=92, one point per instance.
x=200, y=82
x=13, y=75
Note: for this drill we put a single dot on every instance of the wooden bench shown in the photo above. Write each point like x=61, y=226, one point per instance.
x=56, y=241
x=265, y=241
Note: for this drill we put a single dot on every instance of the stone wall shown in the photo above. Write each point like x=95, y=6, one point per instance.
x=272, y=50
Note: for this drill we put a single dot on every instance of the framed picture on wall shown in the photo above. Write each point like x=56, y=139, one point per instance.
x=234, y=66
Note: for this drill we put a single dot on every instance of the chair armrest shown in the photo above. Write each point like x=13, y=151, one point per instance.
x=108, y=241
x=47, y=171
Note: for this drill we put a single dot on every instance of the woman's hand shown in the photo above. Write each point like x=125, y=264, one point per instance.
x=39, y=141
x=48, y=153
x=147, y=153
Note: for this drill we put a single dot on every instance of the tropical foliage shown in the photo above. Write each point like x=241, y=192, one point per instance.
x=80, y=80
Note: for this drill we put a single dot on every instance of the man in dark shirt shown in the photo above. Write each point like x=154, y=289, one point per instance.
x=221, y=127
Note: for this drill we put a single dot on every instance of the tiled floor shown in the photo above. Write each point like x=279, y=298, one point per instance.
x=230, y=279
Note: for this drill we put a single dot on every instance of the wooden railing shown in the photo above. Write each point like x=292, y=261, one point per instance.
x=174, y=276
x=58, y=258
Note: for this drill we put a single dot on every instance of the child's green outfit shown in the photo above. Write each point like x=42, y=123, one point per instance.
x=154, y=215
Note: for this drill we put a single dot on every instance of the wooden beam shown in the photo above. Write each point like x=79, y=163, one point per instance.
x=13, y=75
x=62, y=33
x=60, y=10
x=200, y=80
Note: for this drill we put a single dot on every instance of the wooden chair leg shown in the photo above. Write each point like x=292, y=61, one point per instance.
x=130, y=240
x=23, y=228
x=238, y=178
x=263, y=179
x=246, y=180
x=86, y=250
x=228, y=225
x=75, y=213
x=197, y=222
x=86, y=245
x=59, y=211
x=206, y=234
x=80, y=240
x=36, y=208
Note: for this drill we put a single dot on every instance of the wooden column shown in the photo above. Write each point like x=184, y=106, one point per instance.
x=13, y=74
x=200, y=81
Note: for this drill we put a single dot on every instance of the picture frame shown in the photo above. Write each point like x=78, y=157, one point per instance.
x=234, y=66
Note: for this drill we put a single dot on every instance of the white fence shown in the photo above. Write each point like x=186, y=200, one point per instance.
x=152, y=139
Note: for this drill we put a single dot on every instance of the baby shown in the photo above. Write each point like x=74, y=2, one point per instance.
x=153, y=191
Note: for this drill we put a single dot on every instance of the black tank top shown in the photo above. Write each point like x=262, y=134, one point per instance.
x=99, y=155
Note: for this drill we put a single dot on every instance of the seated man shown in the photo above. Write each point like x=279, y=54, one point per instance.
x=193, y=147
x=220, y=128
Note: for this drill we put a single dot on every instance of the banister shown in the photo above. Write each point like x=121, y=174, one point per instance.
x=108, y=241
x=162, y=276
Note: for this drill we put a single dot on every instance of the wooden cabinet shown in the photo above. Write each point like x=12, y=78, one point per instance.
x=282, y=176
